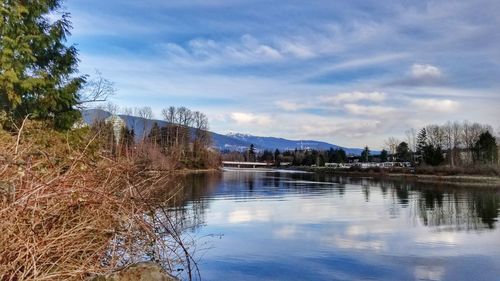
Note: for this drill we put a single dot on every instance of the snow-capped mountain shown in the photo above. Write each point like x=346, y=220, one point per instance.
x=286, y=144
x=229, y=142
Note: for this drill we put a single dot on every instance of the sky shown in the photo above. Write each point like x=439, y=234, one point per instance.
x=352, y=73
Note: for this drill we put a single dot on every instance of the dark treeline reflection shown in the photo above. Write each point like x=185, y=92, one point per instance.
x=184, y=198
x=440, y=207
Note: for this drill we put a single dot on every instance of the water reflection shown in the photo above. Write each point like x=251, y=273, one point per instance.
x=323, y=227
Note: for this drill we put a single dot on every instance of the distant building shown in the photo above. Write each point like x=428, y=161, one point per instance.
x=118, y=124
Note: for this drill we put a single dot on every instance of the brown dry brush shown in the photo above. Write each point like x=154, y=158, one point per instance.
x=68, y=213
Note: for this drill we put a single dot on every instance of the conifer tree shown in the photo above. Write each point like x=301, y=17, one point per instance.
x=486, y=148
x=38, y=71
x=365, y=154
x=421, y=144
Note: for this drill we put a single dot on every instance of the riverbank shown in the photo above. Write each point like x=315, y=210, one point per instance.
x=412, y=175
x=68, y=210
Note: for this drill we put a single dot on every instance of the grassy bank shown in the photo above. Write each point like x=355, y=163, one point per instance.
x=67, y=211
x=473, y=176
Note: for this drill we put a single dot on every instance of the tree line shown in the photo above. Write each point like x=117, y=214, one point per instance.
x=296, y=157
x=182, y=141
x=452, y=143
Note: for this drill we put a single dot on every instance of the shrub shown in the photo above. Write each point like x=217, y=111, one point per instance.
x=72, y=212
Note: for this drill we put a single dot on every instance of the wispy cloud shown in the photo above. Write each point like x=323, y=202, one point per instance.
x=368, y=110
x=243, y=118
x=436, y=105
x=353, y=97
x=425, y=71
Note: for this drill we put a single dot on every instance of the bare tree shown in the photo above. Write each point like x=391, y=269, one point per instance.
x=97, y=89
x=169, y=114
x=457, y=135
x=111, y=108
x=411, y=138
x=392, y=143
x=127, y=111
x=448, y=141
x=145, y=113
x=184, y=116
x=435, y=135
x=201, y=126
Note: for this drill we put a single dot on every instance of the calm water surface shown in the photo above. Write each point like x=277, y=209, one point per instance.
x=295, y=226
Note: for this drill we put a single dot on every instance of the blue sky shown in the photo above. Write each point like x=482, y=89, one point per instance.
x=349, y=72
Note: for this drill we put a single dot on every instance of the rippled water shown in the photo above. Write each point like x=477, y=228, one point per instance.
x=296, y=226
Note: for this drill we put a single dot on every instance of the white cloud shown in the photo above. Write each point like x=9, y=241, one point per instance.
x=290, y=105
x=421, y=75
x=351, y=129
x=368, y=110
x=354, y=97
x=436, y=105
x=249, y=118
x=248, y=215
x=267, y=51
x=423, y=71
x=208, y=52
x=297, y=50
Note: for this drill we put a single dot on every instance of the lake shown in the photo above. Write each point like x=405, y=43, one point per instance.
x=258, y=225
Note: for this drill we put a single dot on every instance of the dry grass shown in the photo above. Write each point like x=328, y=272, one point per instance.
x=478, y=170
x=74, y=213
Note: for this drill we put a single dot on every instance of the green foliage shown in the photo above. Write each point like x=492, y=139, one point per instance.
x=486, y=149
x=277, y=157
x=383, y=155
x=154, y=135
x=365, y=154
x=267, y=156
x=37, y=70
x=251, y=153
x=337, y=156
x=421, y=143
x=432, y=155
x=403, y=152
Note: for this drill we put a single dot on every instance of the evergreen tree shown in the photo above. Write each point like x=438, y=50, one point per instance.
x=486, y=149
x=365, y=154
x=37, y=70
x=383, y=155
x=251, y=153
x=277, y=158
x=127, y=139
x=320, y=160
x=154, y=135
x=432, y=155
x=341, y=156
x=403, y=152
x=336, y=155
x=421, y=144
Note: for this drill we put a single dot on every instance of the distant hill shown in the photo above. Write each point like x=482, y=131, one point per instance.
x=285, y=144
x=229, y=142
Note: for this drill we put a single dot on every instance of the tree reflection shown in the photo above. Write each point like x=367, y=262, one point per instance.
x=459, y=209
x=446, y=208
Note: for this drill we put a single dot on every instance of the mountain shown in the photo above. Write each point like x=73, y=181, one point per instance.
x=285, y=144
x=141, y=126
x=229, y=142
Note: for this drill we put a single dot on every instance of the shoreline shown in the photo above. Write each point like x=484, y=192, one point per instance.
x=456, y=180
